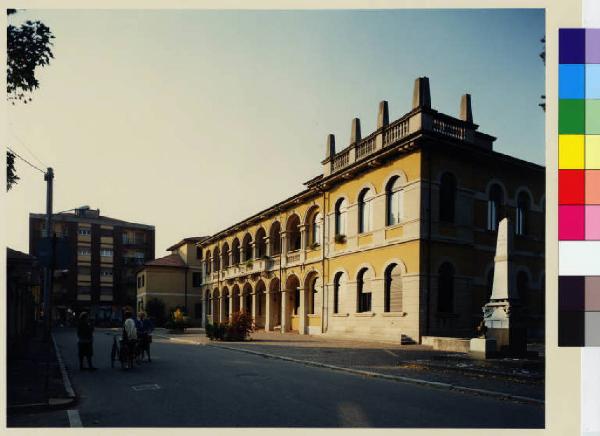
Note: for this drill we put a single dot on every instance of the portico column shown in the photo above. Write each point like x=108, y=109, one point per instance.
x=284, y=248
x=221, y=308
x=268, y=246
x=303, y=242
x=204, y=304
x=230, y=257
x=254, y=307
x=242, y=301
x=231, y=297
x=268, y=310
x=285, y=321
x=302, y=312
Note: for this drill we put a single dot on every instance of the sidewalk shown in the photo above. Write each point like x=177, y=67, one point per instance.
x=515, y=377
x=34, y=379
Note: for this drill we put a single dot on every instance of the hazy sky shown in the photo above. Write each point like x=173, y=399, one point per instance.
x=194, y=120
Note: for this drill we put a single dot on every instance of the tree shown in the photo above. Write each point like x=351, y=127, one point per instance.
x=11, y=174
x=155, y=309
x=28, y=46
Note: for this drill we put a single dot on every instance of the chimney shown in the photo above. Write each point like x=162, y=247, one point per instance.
x=383, y=116
x=330, y=148
x=466, y=113
x=355, y=133
x=421, y=94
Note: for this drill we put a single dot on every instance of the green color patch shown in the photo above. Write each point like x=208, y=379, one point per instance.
x=571, y=116
x=592, y=117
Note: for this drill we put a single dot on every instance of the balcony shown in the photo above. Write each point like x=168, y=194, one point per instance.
x=133, y=261
x=253, y=266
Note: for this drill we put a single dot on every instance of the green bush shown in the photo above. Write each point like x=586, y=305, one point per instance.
x=238, y=329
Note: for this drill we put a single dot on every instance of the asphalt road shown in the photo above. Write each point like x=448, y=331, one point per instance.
x=204, y=386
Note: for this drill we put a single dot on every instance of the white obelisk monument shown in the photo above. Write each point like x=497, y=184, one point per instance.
x=501, y=314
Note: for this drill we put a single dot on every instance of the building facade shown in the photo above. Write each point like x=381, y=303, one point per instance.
x=176, y=279
x=395, y=239
x=102, y=257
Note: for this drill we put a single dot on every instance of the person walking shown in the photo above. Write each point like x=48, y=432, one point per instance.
x=85, y=336
x=144, y=332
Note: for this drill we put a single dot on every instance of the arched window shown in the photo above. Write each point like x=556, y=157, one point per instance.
x=208, y=262
x=216, y=260
x=363, y=290
x=275, y=238
x=261, y=244
x=341, y=210
x=207, y=303
x=226, y=302
x=225, y=255
x=523, y=205
x=312, y=291
x=393, y=201
x=247, y=247
x=248, y=298
x=392, y=299
x=446, y=288
x=495, y=202
x=315, y=228
x=294, y=239
x=336, y=291
x=447, y=197
x=235, y=251
x=365, y=210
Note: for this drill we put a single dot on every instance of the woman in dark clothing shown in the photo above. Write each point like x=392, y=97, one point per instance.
x=85, y=334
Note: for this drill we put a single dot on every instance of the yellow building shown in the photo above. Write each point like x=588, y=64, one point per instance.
x=393, y=241
x=174, y=279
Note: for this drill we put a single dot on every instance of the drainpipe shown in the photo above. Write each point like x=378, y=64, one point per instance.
x=323, y=238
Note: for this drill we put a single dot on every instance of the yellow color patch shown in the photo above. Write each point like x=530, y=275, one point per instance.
x=592, y=152
x=571, y=152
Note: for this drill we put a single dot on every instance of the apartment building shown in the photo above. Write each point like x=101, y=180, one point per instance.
x=103, y=256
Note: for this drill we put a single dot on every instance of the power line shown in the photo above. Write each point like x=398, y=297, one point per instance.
x=18, y=138
x=26, y=161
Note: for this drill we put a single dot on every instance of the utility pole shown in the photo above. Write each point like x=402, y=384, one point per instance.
x=49, y=269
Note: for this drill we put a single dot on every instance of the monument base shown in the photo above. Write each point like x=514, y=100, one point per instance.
x=509, y=341
x=482, y=348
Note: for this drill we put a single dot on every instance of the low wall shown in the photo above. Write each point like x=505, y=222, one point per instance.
x=458, y=345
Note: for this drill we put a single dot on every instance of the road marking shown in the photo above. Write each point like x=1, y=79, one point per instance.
x=147, y=387
x=74, y=418
x=391, y=352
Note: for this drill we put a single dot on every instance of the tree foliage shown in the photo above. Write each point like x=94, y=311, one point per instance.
x=11, y=173
x=28, y=46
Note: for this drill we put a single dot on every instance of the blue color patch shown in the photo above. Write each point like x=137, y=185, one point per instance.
x=592, y=81
x=571, y=81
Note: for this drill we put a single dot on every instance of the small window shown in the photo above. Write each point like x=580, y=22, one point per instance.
x=106, y=252
x=105, y=272
x=84, y=251
x=198, y=252
x=85, y=232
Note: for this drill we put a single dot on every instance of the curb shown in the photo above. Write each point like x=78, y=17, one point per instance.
x=523, y=377
x=397, y=378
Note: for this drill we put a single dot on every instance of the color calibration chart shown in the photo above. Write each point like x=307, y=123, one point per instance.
x=579, y=187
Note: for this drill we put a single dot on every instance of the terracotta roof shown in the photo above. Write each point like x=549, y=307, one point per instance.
x=173, y=260
x=184, y=240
